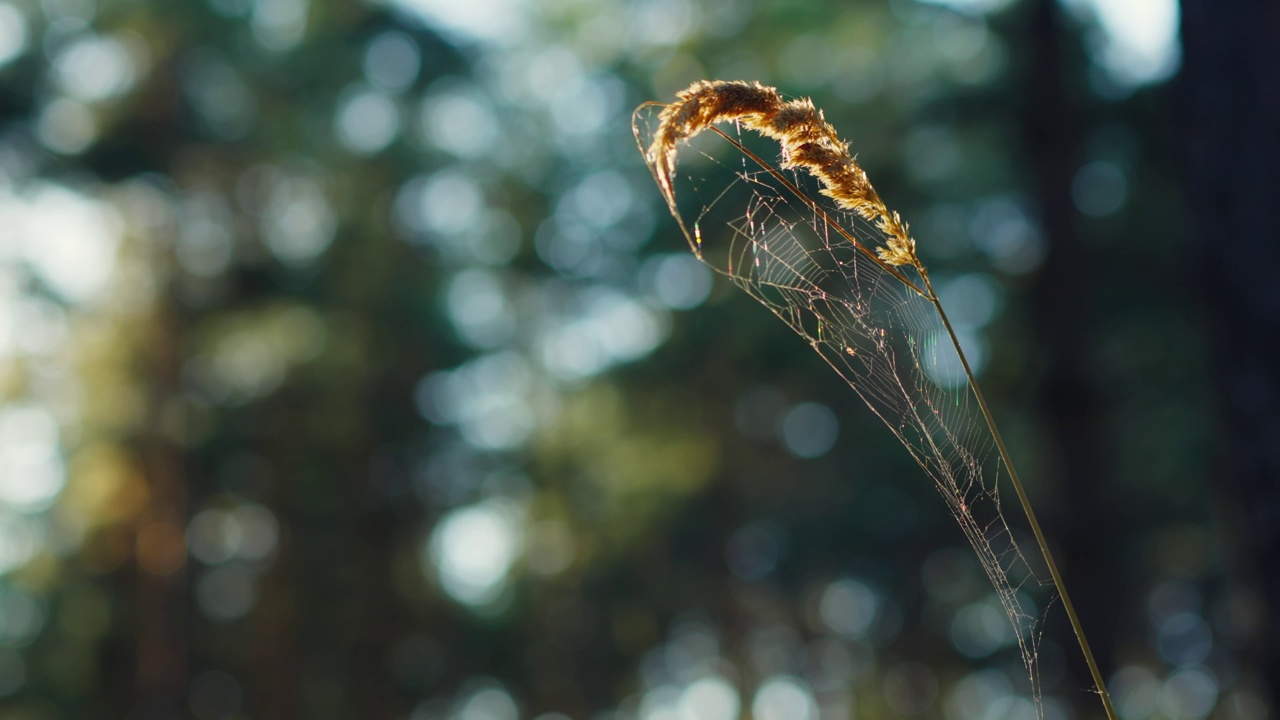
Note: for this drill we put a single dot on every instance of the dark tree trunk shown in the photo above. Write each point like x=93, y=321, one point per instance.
x=1231, y=100
x=1071, y=405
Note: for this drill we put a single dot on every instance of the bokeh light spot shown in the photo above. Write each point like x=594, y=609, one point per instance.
x=978, y=695
x=492, y=21
x=662, y=22
x=959, y=37
x=660, y=703
x=611, y=328
x=941, y=362
x=70, y=240
x=1184, y=639
x=212, y=536
x=221, y=97
x=472, y=548
x=392, y=61
x=22, y=616
x=205, y=244
x=709, y=698
x=490, y=701
x=94, y=68
x=367, y=121
x=931, y=153
x=679, y=280
x=32, y=472
x=450, y=202
x=486, y=399
x=1136, y=691
x=1100, y=189
x=13, y=33
x=279, y=25
x=298, y=223
x=258, y=531
x=1137, y=41
x=784, y=698
x=809, y=430
x=18, y=540
x=600, y=200
x=1189, y=694
x=458, y=120
x=225, y=593
x=479, y=309
x=848, y=607
x=1003, y=230
x=972, y=300
x=67, y=126
x=981, y=628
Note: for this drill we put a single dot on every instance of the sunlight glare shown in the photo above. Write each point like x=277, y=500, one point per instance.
x=1138, y=43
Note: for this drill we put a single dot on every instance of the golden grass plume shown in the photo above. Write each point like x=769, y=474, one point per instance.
x=808, y=143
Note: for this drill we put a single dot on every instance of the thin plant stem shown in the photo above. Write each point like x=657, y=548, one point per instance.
x=1022, y=498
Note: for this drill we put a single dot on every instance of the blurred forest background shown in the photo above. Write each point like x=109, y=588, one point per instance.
x=351, y=366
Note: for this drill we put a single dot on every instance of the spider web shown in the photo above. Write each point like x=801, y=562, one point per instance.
x=774, y=236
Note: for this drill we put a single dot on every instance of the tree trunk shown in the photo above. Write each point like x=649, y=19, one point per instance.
x=1231, y=102
x=1070, y=402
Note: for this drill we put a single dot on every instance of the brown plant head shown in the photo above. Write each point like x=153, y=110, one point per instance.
x=808, y=142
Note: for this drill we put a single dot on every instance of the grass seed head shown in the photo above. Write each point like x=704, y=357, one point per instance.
x=808, y=143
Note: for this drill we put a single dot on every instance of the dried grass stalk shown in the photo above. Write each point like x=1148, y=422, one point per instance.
x=809, y=143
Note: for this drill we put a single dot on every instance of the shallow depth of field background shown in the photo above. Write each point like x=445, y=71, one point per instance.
x=352, y=368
